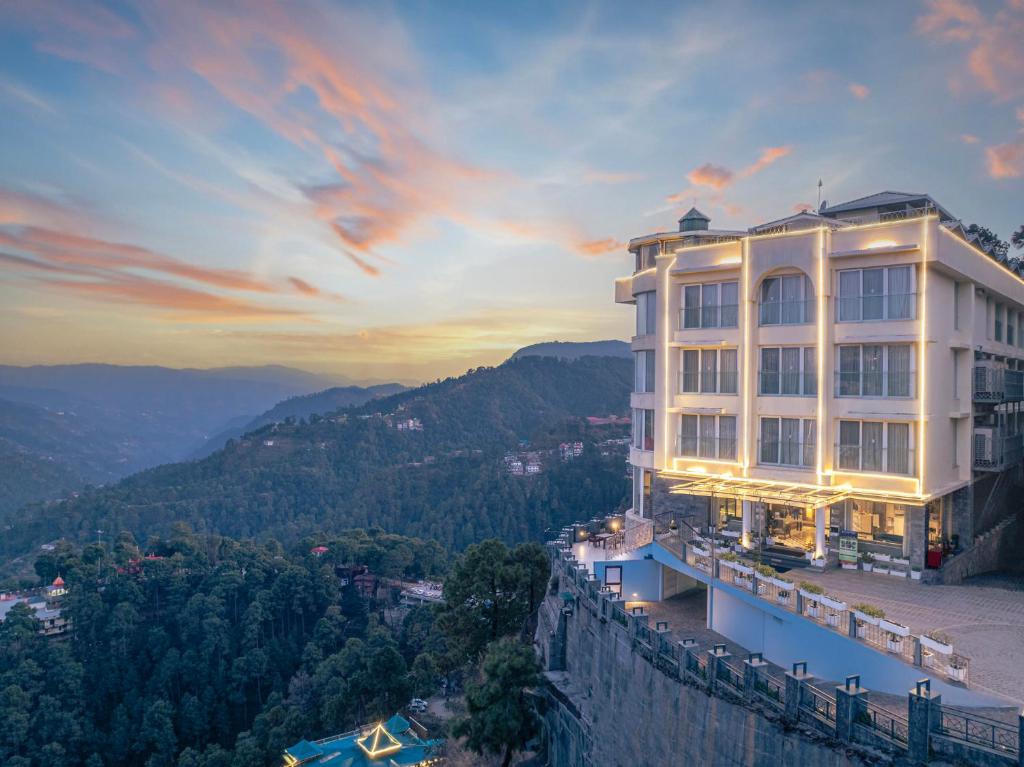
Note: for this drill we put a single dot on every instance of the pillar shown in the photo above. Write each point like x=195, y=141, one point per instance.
x=848, y=704
x=794, y=687
x=920, y=714
x=1020, y=739
x=820, y=515
x=748, y=520
x=750, y=666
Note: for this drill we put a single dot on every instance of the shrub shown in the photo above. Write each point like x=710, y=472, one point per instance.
x=811, y=588
x=766, y=570
x=874, y=612
x=939, y=636
x=730, y=556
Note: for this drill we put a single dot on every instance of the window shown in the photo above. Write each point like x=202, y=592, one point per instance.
x=1011, y=321
x=645, y=256
x=956, y=306
x=643, y=429
x=613, y=579
x=875, y=522
x=875, y=446
x=707, y=436
x=787, y=300
x=711, y=305
x=644, y=372
x=999, y=322
x=882, y=293
x=790, y=370
x=646, y=316
x=875, y=370
x=788, y=441
x=710, y=371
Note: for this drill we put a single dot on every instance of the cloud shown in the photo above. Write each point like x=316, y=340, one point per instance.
x=969, y=138
x=1005, y=160
x=995, y=55
x=714, y=176
x=800, y=207
x=718, y=177
x=601, y=247
x=768, y=156
x=859, y=91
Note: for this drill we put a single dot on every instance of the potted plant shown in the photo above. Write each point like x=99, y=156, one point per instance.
x=937, y=641
x=915, y=573
x=866, y=615
x=881, y=566
x=894, y=643
x=812, y=593
x=832, y=618
x=867, y=562
x=957, y=668
x=767, y=575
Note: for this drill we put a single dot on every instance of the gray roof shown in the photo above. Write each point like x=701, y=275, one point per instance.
x=874, y=201
x=693, y=213
x=801, y=216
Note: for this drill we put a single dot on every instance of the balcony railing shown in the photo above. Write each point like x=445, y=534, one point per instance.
x=894, y=306
x=890, y=383
x=718, y=382
x=722, y=448
x=774, y=382
x=786, y=453
x=869, y=458
x=710, y=316
x=787, y=312
x=994, y=449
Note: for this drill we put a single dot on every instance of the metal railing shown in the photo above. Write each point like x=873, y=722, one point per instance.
x=787, y=312
x=994, y=450
x=774, y=382
x=901, y=215
x=770, y=688
x=884, y=722
x=704, y=382
x=890, y=383
x=710, y=316
x=730, y=675
x=892, y=306
x=818, y=703
x=723, y=448
x=875, y=459
x=977, y=729
x=786, y=453
x=997, y=384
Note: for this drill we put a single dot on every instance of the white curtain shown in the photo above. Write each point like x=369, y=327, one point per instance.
x=900, y=289
x=899, y=370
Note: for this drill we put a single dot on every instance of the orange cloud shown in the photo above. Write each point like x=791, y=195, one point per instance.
x=995, y=58
x=859, y=91
x=768, y=156
x=600, y=247
x=1005, y=160
x=714, y=176
x=800, y=207
x=969, y=138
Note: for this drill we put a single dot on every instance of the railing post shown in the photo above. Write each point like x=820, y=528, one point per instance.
x=922, y=717
x=715, y=656
x=918, y=660
x=851, y=627
x=848, y=704
x=750, y=666
x=794, y=687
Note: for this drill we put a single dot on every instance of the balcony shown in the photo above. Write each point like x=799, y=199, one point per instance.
x=890, y=384
x=711, y=316
x=994, y=383
x=876, y=308
x=995, y=450
x=720, y=448
x=710, y=382
x=787, y=312
x=791, y=454
x=874, y=459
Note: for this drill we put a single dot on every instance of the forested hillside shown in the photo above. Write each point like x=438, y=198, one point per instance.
x=355, y=468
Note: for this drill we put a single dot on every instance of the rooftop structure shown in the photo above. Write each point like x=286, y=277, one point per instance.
x=399, y=742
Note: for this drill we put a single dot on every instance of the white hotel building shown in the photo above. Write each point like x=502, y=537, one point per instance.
x=851, y=373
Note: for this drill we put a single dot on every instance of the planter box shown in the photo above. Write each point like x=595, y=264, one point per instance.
x=898, y=573
x=868, y=566
x=882, y=569
x=811, y=597
x=782, y=600
x=813, y=611
x=862, y=631
x=894, y=628
x=882, y=557
x=915, y=575
x=808, y=555
x=700, y=552
x=848, y=565
x=835, y=604
x=939, y=647
x=957, y=674
x=894, y=645
x=866, y=618
x=729, y=534
x=903, y=562
x=818, y=563
x=832, y=619
x=737, y=567
x=784, y=585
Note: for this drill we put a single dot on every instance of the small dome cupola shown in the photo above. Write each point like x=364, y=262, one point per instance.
x=693, y=221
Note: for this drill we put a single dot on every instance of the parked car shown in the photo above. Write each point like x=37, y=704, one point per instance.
x=417, y=705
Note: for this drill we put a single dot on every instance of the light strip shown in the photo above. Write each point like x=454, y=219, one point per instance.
x=921, y=365
x=820, y=460
x=982, y=253
x=745, y=339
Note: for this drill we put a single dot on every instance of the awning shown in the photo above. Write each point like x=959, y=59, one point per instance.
x=761, y=491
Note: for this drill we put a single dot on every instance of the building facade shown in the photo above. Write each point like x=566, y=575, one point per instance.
x=828, y=385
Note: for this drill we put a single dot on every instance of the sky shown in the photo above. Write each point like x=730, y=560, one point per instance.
x=407, y=190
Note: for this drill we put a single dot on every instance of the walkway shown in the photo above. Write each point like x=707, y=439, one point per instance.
x=986, y=624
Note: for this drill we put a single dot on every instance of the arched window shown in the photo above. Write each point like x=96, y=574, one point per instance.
x=787, y=300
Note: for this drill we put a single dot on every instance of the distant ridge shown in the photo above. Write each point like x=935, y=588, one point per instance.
x=573, y=350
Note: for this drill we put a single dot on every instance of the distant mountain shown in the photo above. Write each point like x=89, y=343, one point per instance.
x=571, y=350
x=98, y=423
x=355, y=468
x=302, y=406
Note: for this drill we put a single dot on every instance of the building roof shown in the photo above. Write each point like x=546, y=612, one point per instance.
x=884, y=199
x=795, y=221
x=394, y=743
x=693, y=214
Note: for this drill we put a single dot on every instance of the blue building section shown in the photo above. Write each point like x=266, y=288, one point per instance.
x=640, y=579
x=394, y=743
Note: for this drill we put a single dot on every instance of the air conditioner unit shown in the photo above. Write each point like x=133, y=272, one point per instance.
x=984, y=439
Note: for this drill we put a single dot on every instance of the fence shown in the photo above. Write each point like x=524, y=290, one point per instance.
x=818, y=703
x=885, y=723
x=979, y=730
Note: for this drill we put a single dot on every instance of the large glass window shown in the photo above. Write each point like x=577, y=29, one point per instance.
x=710, y=305
x=875, y=446
x=787, y=300
x=999, y=322
x=646, y=313
x=787, y=441
x=707, y=436
x=645, y=256
x=881, y=293
x=882, y=526
x=643, y=429
x=788, y=370
x=710, y=371
x=644, y=380
x=875, y=370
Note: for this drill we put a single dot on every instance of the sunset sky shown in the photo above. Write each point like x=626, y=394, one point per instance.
x=407, y=190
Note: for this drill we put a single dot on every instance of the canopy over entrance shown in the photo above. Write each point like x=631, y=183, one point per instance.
x=761, y=491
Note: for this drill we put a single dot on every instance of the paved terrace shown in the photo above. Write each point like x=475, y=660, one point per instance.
x=986, y=624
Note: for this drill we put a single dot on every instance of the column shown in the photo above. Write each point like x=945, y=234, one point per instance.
x=748, y=519
x=848, y=704
x=920, y=706
x=820, y=515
